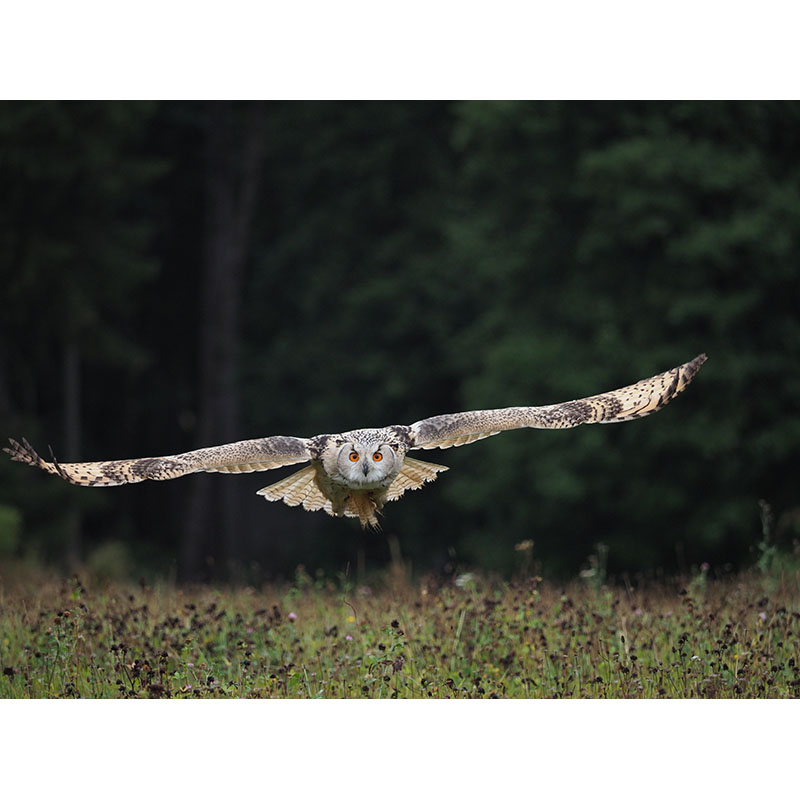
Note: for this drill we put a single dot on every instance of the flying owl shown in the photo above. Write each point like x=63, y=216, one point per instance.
x=354, y=474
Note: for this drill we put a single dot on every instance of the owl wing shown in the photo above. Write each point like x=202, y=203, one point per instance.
x=252, y=455
x=630, y=402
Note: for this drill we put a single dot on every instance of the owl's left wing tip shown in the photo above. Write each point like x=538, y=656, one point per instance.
x=691, y=367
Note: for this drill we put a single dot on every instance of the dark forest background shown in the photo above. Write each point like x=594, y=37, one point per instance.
x=177, y=275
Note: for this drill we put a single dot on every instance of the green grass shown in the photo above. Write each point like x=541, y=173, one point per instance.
x=463, y=637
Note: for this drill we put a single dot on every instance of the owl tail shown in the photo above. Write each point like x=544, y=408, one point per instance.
x=413, y=474
x=363, y=506
x=301, y=488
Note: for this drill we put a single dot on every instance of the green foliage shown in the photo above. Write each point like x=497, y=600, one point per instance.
x=72, y=175
x=410, y=259
x=74, y=255
x=470, y=637
x=653, y=231
x=766, y=547
x=110, y=560
x=595, y=574
x=10, y=527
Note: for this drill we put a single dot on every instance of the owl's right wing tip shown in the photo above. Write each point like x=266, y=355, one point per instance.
x=23, y=452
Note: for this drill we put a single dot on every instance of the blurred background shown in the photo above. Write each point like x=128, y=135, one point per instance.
x=179, y=275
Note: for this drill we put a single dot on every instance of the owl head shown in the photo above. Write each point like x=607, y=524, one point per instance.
x=366, y=464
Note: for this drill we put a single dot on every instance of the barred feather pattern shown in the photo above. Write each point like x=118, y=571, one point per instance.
x=378, y=470
x=252, y=455
x=621, y=405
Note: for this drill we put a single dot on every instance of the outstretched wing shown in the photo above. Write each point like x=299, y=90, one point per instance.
x=251, y=455
x=630, y=402
x=414, y=474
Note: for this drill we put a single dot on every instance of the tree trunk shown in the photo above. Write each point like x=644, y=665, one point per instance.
x=72, y=444
x=234, y=155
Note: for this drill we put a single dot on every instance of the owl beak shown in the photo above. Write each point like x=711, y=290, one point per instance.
x=365, y=467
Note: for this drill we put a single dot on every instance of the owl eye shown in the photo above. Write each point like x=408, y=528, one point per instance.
x=377, y=456
x=354, y=456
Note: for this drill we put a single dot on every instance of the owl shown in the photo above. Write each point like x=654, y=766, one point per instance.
x=354, y=474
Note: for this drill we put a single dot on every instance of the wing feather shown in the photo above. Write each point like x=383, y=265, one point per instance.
x=621, y=405
x=299, y=488
x=251, y=455
x=413, y=475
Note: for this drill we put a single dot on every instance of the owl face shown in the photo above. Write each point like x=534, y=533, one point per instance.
x=367, y=465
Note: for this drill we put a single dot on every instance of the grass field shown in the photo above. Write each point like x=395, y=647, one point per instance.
x=466, y=637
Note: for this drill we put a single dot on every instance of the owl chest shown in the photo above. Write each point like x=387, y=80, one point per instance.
x=352, y=498
x=345, y=482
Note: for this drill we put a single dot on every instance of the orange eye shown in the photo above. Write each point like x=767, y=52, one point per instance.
x=354, y=456
x=377, y=456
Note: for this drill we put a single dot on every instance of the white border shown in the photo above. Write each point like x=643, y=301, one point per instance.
x=372, y=49
x=450, y=748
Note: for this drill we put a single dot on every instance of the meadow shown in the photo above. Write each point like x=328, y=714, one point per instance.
x=461, y=636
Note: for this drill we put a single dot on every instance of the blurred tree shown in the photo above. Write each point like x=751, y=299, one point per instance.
x=614, y=240
x=73, y=256
x=410, y=259
x=345, y=320
x=233, y=158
